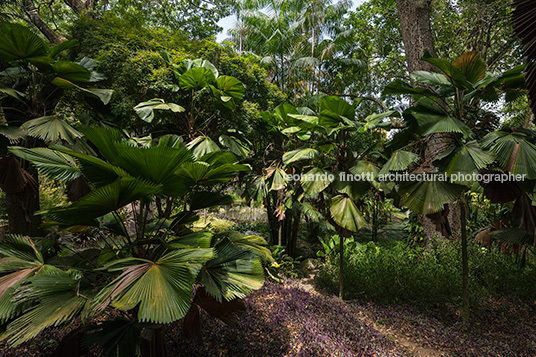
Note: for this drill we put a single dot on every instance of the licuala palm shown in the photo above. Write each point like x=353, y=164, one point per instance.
x=147, y=264
x=449, y=105
x=316, y=149
x=33, y=80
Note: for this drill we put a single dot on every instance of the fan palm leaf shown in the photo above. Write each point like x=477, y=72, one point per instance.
x=233, y=274
x=161, y=288
x=513, y=151
x=60, y=296
x=345, y=213
x=52, y=163
x=400, y=160
x=429, y=196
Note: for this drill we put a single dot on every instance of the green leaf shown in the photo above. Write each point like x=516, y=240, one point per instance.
x=104, y=200
x=196, y=78
x=430, y=123
x=429, y=196
x=304, y=121
x=400, y=160
x=233, y=274
x=13, y=133
x=103, y=94
x=345, y=213
x=466, y=159
x=353, y=186
x=514, y=153
x=278, y=177
x=21, y=248
x=162, y=289
x=254, y=243
x=219, y=157
x=300, y=154
x=54, y=164
x=315, y=181
x=376, y=120
x=337, y=106
x=201, y=63
x=230, y=87
x=19, y=43
x=197, y=173
x=62, y=46
x=51, y=129
x=282, y=111
x=97, y=171
x=453, y=74
x=194, y=240
x=430, y=78
x=145, y=110
x=202, y=145
x=365, y=168
x=398, y=86
x=71, y=71
x=235, y=145
x=60, y=298
x=13, y=93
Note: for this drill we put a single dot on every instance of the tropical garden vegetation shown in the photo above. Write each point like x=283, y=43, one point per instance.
x=381, y=156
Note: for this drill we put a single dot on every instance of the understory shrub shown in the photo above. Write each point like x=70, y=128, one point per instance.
x=397, y=272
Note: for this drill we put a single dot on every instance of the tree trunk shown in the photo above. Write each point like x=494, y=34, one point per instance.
x=465, y=264
x=416, y=32
x=417, y=37
x=444, y=224
x=35, y=18
x=341, y=266
x=21, y=205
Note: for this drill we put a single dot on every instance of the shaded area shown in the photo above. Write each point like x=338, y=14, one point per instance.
x=286, y=320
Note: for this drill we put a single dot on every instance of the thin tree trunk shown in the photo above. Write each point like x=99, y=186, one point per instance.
x=341, y=265
x=465, y=264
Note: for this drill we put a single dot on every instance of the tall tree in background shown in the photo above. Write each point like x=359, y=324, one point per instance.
x=524, y=19
x=417, y=36
x=416, y=32
x=199, y=18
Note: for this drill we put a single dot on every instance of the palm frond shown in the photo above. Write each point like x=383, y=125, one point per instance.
x=233, y=274
x=51, y=129
x=103, y=200
x=400, y=160
x=429, y=196
x=60, y=299
x=52, y=163
x=162, y=289
x=345, y=213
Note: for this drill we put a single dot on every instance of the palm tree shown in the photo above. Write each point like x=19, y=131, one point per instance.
x=449, y=106
x=34, y=81
x=145, y=264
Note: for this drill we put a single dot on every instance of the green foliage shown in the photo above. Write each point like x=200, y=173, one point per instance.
x=151, y=271
x=131, y=58
x=392, y=271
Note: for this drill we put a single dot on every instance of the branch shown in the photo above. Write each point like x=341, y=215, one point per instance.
x=79, y=6
x=376, y=100
x=35, y=18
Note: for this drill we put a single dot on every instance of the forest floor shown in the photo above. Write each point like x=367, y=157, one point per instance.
x=293, y=319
